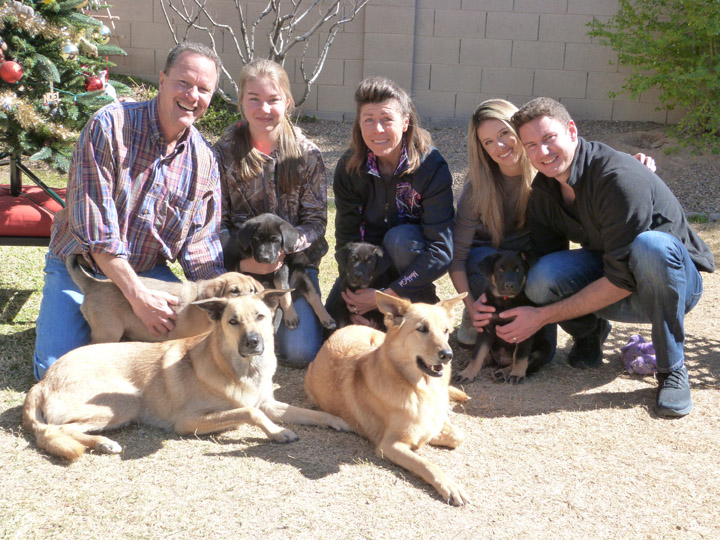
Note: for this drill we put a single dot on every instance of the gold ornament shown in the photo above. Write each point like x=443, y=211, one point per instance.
x=69, y=51
x=102, y=36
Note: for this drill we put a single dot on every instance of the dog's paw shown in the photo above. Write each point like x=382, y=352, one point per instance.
x=108, y=446
x=463, y=378
x=338, y=424
x=291, y=322
x=453, y=493
x=284, y=436
x=329, y=324
x=515, y=379
x=505, y=375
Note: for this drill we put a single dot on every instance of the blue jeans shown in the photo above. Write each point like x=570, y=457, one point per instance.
x=298, y=346
x=478, y=283
x=668, y=286
x=61, y=326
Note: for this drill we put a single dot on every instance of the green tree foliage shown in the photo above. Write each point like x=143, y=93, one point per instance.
x=60, y=47
x=673, y=46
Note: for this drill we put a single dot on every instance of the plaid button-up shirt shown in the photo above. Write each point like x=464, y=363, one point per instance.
x=126, y=197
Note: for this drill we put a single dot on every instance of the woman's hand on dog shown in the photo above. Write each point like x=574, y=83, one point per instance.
x=251, y=266
x=480, y=313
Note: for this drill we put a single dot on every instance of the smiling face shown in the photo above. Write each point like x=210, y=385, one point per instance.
x=502, y=145
x=184, y=93
x=264, y=105
x=550, y=144
x=382, y=126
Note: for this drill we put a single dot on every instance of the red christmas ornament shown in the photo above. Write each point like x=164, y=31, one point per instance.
x=11, y=72
x=94, y=83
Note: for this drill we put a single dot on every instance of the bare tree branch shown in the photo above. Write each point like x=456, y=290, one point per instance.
x=280, y=21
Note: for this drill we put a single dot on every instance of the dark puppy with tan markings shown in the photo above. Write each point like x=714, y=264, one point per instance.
x=264, y=238
x=361, y=265
x=506, y=272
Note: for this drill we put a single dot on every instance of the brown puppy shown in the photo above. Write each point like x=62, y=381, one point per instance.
x=112, y=319
x=393, y=388
x=202, y=384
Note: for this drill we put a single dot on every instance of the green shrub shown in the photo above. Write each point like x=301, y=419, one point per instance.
x=673, y=46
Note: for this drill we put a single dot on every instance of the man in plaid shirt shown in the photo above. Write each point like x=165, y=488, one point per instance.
x=143, y=189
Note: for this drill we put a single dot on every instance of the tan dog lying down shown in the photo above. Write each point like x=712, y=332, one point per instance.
x=112, y=319
x=202, y=384
x=393, y=388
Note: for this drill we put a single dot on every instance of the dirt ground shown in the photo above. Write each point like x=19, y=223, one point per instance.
x=569, y=454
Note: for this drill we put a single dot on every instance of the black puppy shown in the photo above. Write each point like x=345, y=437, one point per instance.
x=264, y=238
x=506, y=273
x=360, y=266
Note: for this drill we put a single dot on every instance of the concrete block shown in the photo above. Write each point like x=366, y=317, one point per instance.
x=353, y=73
x=439, y=4
x=404, y=3
x=434, y=104
x=590, y=57
x=437, y=50
x=139, y=62
x=389, y=19
x=383, y=47
x=486, y=52
x=560, y=84
x=421, y=77
x=506, y=81
x=600, y=84
x=564, y=28
x=311, y=101
x=540, y=6
x=121, y=35
x=131, y=11
x=332, y=73
x=466, y=103
x=146, y=35
x=336, y=98
x=459, y=23
x=538, y=55
x=424, y=22
x=447, y=78
x=347, y=46
x=634, y=111
x=522, y=26
x=399, y=72
x=589, y=109
x=487, y=5
x=593, y=7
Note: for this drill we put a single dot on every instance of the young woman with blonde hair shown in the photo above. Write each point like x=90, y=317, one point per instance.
x=268, y=165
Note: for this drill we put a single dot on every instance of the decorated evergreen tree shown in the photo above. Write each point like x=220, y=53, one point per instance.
x=53, y=75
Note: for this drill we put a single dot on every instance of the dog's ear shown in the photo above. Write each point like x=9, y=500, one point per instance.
x=244, y=236
x=272, y=297
x=487, y=265
x=213, y=306
x=383, y=262
x=341, y=256
x=450, y=303
x=393, y=308
x=290, y=236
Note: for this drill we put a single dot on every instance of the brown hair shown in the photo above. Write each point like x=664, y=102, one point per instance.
x=197, y=48
x=539, y=107
x=249, y=161
x=417, y=140
x=484, y=176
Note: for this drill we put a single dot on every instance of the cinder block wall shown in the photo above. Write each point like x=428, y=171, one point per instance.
x=450, y=54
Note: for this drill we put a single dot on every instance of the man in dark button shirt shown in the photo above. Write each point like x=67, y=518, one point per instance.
x=639, y=259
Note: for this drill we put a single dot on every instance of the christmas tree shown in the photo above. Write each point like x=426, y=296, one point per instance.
x=53, y=76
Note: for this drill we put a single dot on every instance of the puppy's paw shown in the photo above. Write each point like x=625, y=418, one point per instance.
x=291, y=322
x=108, y=446
x=464, y=377
x=330, y=323
x=515, y=379
x=453, y=493
x=284, y=436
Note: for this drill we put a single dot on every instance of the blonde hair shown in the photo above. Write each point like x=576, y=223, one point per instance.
x=417, y=140
x=485, y=177
x=250, y=161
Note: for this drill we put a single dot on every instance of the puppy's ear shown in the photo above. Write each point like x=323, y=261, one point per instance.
x=383, y=262
x=290, y=236
x=272, y=297
x=450, y=303
x=487, y=265
x=213, y=306
x=341, y=256
x=244, y=237
x=393, y=308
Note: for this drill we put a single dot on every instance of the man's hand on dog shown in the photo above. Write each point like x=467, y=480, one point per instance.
x=527, y=320
x=251, y=266
x=153, y=308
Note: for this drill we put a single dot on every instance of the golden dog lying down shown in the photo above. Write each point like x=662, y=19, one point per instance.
x=202, y=384
x=394, y=388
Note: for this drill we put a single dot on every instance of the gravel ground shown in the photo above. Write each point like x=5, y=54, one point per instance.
x=695, y=179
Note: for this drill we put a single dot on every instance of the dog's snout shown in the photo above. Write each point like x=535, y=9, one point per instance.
x=445, y=355
x=251, y=343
